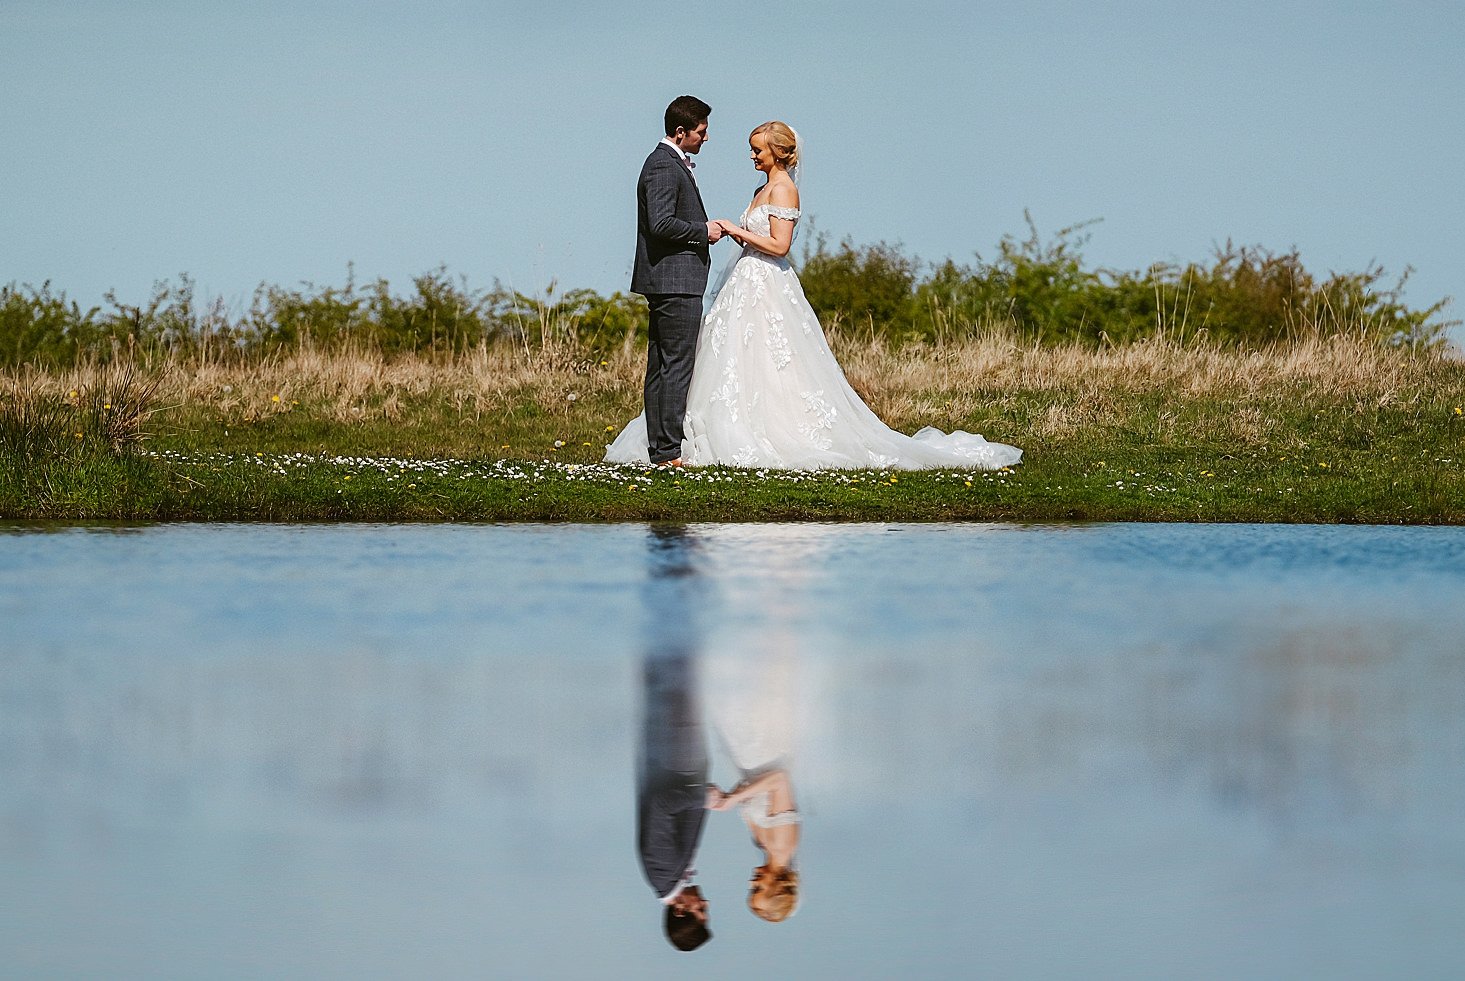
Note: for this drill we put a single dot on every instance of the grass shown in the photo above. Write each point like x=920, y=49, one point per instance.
x=1328, y=428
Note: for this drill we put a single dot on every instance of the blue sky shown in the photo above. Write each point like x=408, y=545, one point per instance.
x=278, y=142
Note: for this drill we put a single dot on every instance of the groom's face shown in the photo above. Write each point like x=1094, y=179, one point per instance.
x=690, y=903
x=691, y=140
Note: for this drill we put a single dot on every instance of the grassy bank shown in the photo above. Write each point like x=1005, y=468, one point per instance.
x=1325, y=429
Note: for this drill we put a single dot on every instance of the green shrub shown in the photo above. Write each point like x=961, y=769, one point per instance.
x=581, y=317
x=869, y=285
x=1038, y=290
x=1042, y=291
x=40, y=327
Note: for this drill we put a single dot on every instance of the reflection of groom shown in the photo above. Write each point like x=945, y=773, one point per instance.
x=671, y=793
x=672, y=239
x=671, y=777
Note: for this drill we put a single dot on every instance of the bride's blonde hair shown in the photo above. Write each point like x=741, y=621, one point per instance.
x=778, y=902
x=781, y=141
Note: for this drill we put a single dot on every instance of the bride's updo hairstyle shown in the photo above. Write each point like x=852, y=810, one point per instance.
x=781, y=141
x=779, y=899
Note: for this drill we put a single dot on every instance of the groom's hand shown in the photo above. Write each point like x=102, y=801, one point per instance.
x=714, y=232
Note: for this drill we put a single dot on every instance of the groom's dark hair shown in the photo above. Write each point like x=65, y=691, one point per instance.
x=685, y=932
x=685, y=111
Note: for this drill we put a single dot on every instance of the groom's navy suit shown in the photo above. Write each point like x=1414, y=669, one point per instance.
x=672, y=259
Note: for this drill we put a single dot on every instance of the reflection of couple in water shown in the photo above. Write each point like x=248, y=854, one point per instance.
x=750, y=699
x=674, y=798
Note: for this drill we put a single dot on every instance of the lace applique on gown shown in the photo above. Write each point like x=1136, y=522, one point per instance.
x=767, y=391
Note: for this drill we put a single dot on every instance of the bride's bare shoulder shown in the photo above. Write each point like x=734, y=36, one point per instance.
x=783, y=194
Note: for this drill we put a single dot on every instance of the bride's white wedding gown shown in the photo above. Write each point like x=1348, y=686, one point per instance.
x=767, y=392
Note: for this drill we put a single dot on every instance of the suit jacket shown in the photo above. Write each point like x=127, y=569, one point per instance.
x=671, y=228
x=671, y=799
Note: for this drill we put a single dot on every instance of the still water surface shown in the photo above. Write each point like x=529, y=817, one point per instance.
x=1101, y=751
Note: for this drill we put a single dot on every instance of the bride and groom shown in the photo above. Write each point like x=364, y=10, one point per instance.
x=752, y=383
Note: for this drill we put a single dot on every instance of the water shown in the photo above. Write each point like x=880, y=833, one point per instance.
x=1101, y=751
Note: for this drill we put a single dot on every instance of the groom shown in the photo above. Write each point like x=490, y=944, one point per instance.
x=671, y=793
x=672, y=239
x=671, y=771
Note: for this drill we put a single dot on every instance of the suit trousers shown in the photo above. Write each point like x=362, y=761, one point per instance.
x=670, y=350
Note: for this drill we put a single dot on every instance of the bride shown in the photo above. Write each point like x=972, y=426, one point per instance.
x=766, y=389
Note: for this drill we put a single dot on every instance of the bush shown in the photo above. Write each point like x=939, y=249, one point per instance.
x=1042, y=291
x=581, y=317
x=867, y=285
x=41, y=327
x=1038, y=290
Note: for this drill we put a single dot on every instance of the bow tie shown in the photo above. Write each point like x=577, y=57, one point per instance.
x=691, y=165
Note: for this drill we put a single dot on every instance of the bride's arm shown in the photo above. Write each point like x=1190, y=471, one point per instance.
x=781, y=230
x=768, y=781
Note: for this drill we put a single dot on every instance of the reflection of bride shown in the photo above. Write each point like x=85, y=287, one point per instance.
x=751, y=703
x=766, y=802
x=766, y=390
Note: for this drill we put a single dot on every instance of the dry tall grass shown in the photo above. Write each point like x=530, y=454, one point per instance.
x=1087, y=387
x=1077, y=387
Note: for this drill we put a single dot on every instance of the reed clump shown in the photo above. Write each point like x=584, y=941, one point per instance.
x=76, y=444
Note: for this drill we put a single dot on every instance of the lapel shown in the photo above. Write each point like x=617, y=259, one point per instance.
x=686, y=174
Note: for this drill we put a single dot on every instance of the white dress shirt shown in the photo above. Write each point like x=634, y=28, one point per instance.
x=690, y=164
x=671, y=897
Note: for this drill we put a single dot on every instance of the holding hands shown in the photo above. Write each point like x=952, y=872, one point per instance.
x=725, y=800
x=719, y=227
x=732, y=230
